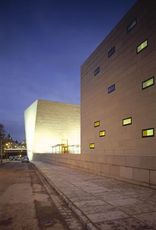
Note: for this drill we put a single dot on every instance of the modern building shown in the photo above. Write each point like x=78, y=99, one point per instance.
x=52, y=127
x=118, y=98
x=118, y=91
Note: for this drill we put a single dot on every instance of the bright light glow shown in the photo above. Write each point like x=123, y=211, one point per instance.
x=30, y=121
x=142, y=46
x=50, y=124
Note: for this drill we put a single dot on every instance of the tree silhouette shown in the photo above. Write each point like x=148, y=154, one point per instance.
x=2, y=135
x=2, y=131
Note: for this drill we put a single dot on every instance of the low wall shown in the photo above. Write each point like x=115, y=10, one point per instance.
x=138, y=169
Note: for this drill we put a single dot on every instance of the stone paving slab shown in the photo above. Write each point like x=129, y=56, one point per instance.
x=102, y=202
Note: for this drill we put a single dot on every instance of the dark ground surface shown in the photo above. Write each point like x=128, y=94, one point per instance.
x=28, y=203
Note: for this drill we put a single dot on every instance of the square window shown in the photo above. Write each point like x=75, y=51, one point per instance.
x=131, y=25
x=147, y=83
x=97, y=70
x=111, y=88
x=142, y=46
x=102, y=133
x=111, y=51
x=127, y=121
x=148, y=132
x=91, y=145
x=96, y=123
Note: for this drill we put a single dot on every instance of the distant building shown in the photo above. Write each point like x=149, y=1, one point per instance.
x=118, y=91
x=52, y=127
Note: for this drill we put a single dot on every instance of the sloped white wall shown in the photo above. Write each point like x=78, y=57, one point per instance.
x=30, y=124
x=50, y=123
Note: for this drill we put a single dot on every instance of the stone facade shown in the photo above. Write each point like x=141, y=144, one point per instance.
x=135, y=169
x=112, y=82
x=52, y=127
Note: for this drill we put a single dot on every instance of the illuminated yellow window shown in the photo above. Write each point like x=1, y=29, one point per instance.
x=91, y=145
x=148, y=132
x=147, y=83
x=96, y=123
x=127, y=121
x=102, y=133
x=142, y=46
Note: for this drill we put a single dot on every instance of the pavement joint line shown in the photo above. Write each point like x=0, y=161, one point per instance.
x=88, y=224
x=137, y=183
x=59, y=188
x=56, y=199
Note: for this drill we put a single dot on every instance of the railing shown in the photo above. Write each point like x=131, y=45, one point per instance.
x=63, y=148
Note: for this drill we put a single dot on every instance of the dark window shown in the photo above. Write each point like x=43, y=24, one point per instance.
x=111, y=88
x=131, y=25
x=148, y=82
x=111, y=51
x=97, y=70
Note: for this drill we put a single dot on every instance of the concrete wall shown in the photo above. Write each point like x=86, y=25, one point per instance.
x=54, y=123
x=126, y=69
x=140, y=169
x=30, y=125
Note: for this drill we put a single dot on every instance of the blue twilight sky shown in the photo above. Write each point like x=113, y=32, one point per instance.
x=42, y=45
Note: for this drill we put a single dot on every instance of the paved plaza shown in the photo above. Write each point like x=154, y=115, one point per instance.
x=102, y=202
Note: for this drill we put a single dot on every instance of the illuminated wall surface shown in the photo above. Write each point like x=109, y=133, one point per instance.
x=52, y=127
x=118, y=90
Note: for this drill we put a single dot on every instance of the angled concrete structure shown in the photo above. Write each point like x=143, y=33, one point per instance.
x=118, y=91
x=52, y=127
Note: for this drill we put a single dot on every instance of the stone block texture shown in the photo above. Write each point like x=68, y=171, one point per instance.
x=136, y=174
x=126, y=69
